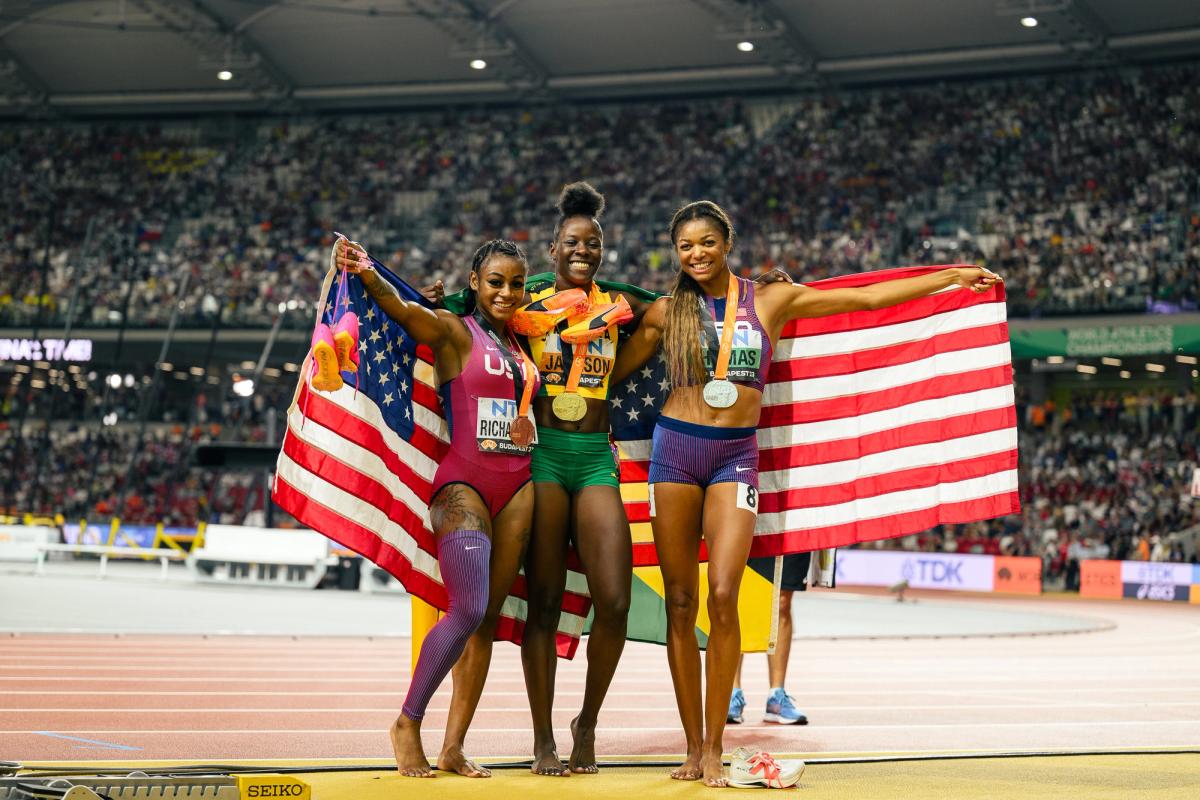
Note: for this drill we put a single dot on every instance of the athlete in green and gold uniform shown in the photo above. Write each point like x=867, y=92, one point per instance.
x=574, y=459
x=576, y=494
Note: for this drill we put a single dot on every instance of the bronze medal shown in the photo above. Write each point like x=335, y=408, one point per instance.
x=521, y=431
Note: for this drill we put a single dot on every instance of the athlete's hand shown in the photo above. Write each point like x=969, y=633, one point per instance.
x=434, y=293
x=351, y=257
x=775, y=275
x=977, y=279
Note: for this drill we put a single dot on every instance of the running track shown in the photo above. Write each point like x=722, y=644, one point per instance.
x=220, y=698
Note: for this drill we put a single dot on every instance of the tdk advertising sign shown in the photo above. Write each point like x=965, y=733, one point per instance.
x=951, y=571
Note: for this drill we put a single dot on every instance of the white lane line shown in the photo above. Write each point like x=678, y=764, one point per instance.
x=613, y=709
x=1031, y=667
x=1174, y=690
x=961, y=686
x=674, y=728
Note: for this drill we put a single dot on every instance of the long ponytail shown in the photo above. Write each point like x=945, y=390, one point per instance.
x=682, y=345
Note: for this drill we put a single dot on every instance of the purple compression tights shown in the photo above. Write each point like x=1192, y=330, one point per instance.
x=464, y=557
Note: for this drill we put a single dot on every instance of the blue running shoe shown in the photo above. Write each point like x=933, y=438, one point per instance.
x=737, y=704
x=781, y=708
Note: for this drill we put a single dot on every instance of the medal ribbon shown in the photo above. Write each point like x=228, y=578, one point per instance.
x=579, y=351
x=731, y=304
x=527, y=368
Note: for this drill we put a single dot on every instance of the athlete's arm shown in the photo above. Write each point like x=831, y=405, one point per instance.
x=435, y=328
x=639, y=308
x=643, y=344
x=789, y=301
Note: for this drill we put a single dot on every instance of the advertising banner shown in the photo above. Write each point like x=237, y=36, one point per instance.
x=1092, y=342
x=92, y=534
x=1140, y=580
x=950, y=571
x=22, y=542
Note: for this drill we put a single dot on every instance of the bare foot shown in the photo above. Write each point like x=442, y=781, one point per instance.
x=689, y=770
x=406, y=744
x=714, y=771
x=583, y=752
x=453, y=760
x=546, y=761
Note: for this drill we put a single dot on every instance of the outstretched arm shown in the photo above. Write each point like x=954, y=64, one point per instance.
x=643, y=344
x=426, y=326
x=797, y=300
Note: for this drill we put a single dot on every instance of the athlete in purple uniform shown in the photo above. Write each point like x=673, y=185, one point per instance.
x=482, y=501
x=704, y=461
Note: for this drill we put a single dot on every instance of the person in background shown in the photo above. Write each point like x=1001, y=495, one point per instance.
x=780, y=707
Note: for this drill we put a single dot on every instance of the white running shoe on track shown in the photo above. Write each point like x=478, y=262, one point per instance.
x=750, y=769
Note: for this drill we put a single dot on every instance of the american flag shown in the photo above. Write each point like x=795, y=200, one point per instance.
x=357, y=464
x=875, y=424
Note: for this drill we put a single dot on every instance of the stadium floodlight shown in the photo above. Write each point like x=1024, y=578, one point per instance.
x=1126, y=373
x=224, y=75
x=478, y=63
x=1086, y=369
x=1109, y=361
x=243, y=388
x=1152, y=367
x=114, y=381
x=745, y=46
x=128, y=380
x=1029, y=22
x=1186, y=359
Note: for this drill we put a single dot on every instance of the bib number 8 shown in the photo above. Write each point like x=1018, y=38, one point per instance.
x=747, y=497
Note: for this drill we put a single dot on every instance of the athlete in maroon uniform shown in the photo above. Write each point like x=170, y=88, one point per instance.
x=482, y=501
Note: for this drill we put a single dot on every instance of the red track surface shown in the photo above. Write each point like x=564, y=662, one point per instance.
x=219, y=698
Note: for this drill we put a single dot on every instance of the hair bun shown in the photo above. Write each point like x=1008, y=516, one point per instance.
x=580, y=199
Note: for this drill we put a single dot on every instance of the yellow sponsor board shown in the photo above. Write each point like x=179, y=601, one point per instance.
x=253, y=787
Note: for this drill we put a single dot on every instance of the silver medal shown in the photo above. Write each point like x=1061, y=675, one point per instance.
x=720, y=394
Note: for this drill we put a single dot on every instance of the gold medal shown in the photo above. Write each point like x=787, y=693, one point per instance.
x=569, y=407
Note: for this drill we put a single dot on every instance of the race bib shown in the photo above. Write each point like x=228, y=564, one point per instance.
x=745, y=357
x=747, y=497
x=557, y=358
x=495, y=417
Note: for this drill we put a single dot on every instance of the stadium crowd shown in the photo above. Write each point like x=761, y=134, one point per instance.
x=1080, y=189
x=1105, y=475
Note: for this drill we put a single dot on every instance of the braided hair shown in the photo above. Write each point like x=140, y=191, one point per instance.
x=492, y=247
x=682, y=347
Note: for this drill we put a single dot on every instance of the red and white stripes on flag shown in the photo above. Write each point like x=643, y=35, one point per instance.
x=357, y=468
x=877, y=424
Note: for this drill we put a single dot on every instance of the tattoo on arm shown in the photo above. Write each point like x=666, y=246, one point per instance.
x=377, y=287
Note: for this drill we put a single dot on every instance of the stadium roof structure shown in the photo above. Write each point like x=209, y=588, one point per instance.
x=98, y=57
